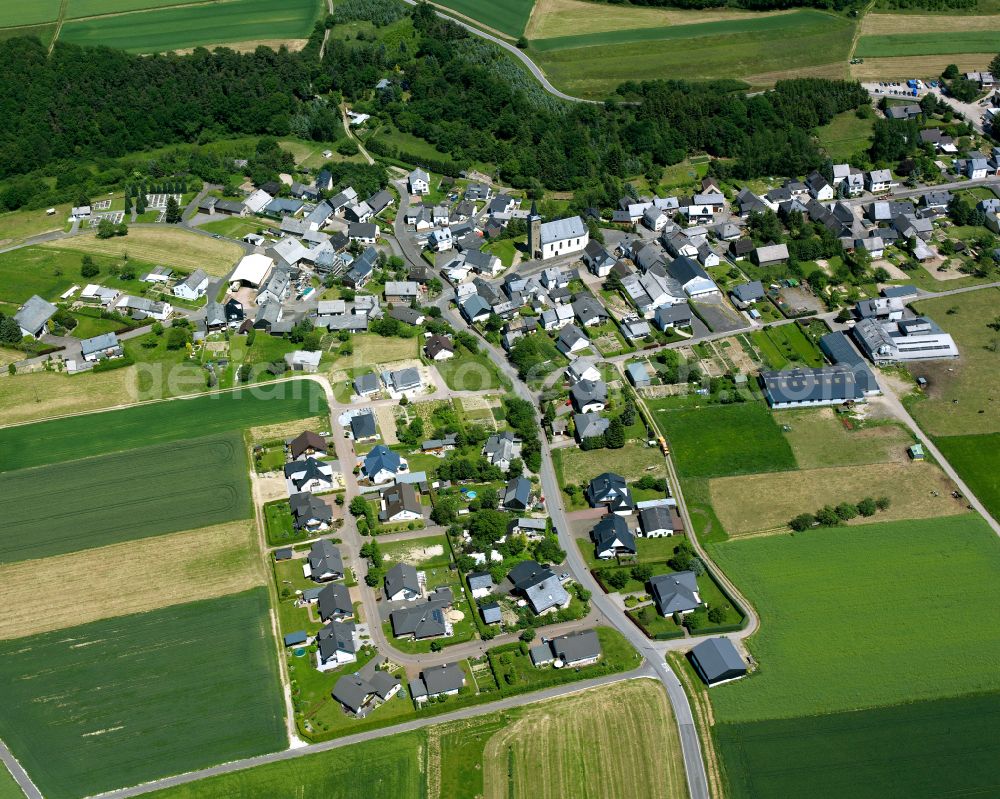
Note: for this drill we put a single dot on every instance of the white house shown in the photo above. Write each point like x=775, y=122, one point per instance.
x=193, y=287
x=562, y=237
x=440, y=240
x=977, y=168
x=336, y=645
x=878, y=180
x=419, y=181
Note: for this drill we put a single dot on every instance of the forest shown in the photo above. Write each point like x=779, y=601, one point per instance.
x=77, y=107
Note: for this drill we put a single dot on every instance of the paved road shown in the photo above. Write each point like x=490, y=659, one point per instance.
x=19, y=774
x=643, y=671
x=520, y=54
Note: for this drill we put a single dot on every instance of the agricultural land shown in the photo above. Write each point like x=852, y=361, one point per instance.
x=201, y=679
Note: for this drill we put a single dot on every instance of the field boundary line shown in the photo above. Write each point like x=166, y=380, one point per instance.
x=857, y=30
x=59, y=23
x=192, y=4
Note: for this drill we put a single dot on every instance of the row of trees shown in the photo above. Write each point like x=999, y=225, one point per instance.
x=833, y=516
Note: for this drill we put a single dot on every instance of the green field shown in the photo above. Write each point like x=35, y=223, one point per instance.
x=9, y=789
x=864, y=616
x=190, y=26
x=159, y=422
x=32, y=13
x=390, y=767
x=66, y=507
x=787, y=346
x=234, y=227
x=48, y=273
x=845, y=136
x=925, y=749
x=936, y=43
x=468, y=372
x=506, y=16
x=93, y=8
x=132, y=699
x=772, y=48
x=720, y=440
x=977, y=461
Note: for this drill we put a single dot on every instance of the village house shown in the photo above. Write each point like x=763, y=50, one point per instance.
x=383, y=464
x=517, y=495
x=359, y=694
x=656, y=521
x=309, y=512
x=612, y=537
x=676, y=592
x=363, y=427
x=323, y=563
x=501, y=449
x=540, y=587
x=192, y=287
x=308, y=475
x=419, y=181
x=717, y=661
x=400, y=503
x=334, y=603
x=610, y=490
x=572, y=650
x=336, y=644
x=434, y=681
x=100, y=347
x=428, y=619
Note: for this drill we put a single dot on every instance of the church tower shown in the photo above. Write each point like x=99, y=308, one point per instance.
x=534, y=232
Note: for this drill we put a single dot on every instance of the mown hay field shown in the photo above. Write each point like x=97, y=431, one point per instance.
x=144, y=492
x=92, y=434
x=927, y=66
x=898, y=24
x=928, y=43
x=165, y=29
x=716, y=441
x=922, y=750
x=128, y=700
x=551, y=738
x=169, y=246
x=130, y=577
x=752, y=502
x=818, y=439
x=858, y=617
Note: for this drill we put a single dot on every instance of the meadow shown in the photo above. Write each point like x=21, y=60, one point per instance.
x=715, y=441
x=573, y=465
x=936, y=43
x=506, y=16
x=977, y=461
x=752, y=502
x=845, y=136
x=859, y=617
x=927, y=749
x=787, y=346
x=156, y=423
x=196, y=683
x=48, y=273
x=468, y=372
x=144, y=492
x=17, y=225
x=390, y=767
x=130, y=577
x=234, y=227
x=818, y=438
x=169, y=246
x=92, y=8
x=960, y=396
x=34, y=13
x=166, y=29
x=813, y=43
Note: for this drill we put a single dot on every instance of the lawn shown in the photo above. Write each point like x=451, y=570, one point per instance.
x=899, y=598
x=154, y=423
x=235, y=227
x=921, y=750
x=720, y=440
x=49, y=272
x=506, y=16
x=90, y=326
x=754, y=502
x=575, y=742
x=197, y=683
x=190, y=26
x=929, y=43
x=9, y=789
x=28, y=13
x=977, y=461
x=787, y=346
x=17, y=225
x=961, y=393
x=468, y=372
x=130, y=577
x=594, y=64
x=845, y=136
x=419, y=552
x=104, y=500
x=504, y=249
x=818, y=438
x=632, y=461
x=169, y=246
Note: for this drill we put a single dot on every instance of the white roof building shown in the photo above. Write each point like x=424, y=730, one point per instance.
x=252, y=269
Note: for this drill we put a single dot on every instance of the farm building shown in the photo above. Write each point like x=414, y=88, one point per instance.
x=800, y=388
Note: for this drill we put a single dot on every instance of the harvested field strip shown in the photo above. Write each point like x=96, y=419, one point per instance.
x=160, y=245
x=128, y=700
x=905, y=67
x=942, y=748
x=754, y=502
x=925, y=591
x=573, y=741
x=154, y=423
x=165, y=29
x=131, y=577
x=776, y=23
x=912, y=44
x=66, y=507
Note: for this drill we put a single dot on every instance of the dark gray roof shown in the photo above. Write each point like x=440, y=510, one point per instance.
x=610, y=529
x=352, y=691
x=401, y=497
x=324, y=557
x=683, y=269
x=298, y=637
x=657, y=517
x=574, y=647
x=679, y=314
x=588, y=391
x=366, y=383
x=363, y=426
x=527, y=573
x=548, y=593
x=336, y=636
x=749, y=292
x=382, y=682
x=305, y=507
x=491, y=613
x=444, y=678
x=825, y=384
x=606, y=487
x=718, y=659
x=480, y=580
x=401, y=577
x=424, y=620
x=589, y=425
x=335, y=600
x=517, y=494
x=587, y=307
x=34, y=314
x=675, y=591
x=839, y=349
x=301, y=472
x=105, y=341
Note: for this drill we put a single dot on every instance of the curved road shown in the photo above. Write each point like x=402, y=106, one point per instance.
x=531, y=65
